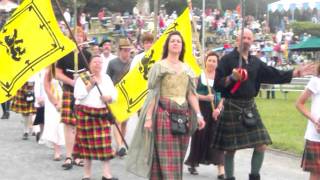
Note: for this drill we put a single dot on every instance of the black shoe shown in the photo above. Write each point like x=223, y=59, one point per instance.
x=25, y=136
x=85, y=178
x=5, y=115
x=254, y=176
x=220, y=177
x=231, y=178
x=193, y=170
x=113, y=178
x=122, y=152
x=38, y=136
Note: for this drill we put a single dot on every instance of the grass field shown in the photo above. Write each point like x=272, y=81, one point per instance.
x=285, y=124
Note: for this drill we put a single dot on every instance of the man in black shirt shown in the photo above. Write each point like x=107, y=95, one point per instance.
x=65, y=70
x=240, y=124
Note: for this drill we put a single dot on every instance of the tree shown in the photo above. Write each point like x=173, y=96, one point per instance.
x=144, y=6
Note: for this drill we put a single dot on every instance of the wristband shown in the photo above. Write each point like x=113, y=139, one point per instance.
x=199, y=115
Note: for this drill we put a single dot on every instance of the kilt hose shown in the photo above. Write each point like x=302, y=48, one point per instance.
x=93, y=135
x=67, y=112
x=169, y=150
x=311, y=157
x=19, y=104
x=231, y=132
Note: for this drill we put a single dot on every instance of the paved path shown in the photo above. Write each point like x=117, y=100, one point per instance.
x=26, y=160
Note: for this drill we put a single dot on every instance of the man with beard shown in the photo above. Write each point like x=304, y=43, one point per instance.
x=240, y=124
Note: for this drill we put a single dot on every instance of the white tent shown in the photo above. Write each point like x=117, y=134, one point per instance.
x=285, y=5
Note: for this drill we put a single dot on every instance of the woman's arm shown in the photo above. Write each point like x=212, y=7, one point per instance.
x=217, y=110
x=193, y=101
x=300, y=105
x=148, y=122
x=65, y=79
x=47, y=88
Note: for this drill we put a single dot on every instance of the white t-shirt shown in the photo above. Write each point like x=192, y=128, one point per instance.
x=105, y=62
x=8, y=6
x=314, y=86
x=93, y=97
x=136, y=60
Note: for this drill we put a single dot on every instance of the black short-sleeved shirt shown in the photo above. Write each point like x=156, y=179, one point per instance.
x=67, y=63
x=258, y=72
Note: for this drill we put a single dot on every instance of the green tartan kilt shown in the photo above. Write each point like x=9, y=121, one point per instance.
x=231, y=132
x=311, y=157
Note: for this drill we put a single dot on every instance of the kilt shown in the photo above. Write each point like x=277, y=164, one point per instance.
x=19, y=104
x=231, y=132
x=93, y=135
x=169, y=150
x=67, y=114
x=311, y=157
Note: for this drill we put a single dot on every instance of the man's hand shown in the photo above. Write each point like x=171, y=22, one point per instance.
x=239, y=74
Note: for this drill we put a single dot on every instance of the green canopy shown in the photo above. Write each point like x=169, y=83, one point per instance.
x=310, y=44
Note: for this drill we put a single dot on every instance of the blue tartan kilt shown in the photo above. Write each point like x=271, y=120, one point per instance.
x=233, y=134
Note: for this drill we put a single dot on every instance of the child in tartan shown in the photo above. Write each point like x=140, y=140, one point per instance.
x=311, y=155
x=93, y=135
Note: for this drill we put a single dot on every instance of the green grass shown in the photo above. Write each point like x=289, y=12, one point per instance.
x=285, y=124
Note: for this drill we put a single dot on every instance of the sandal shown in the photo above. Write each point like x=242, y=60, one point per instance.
x=78, y=163
x=67, y=165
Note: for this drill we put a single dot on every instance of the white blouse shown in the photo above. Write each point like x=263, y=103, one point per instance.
x=93, y=97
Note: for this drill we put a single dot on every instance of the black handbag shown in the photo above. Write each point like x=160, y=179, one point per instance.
x=248, y=118
x=178, y=124
x=29, y=97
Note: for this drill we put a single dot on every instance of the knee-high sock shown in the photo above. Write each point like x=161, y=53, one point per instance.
x=4, y=109
x=256, y=161
x=229, y=164
x=25, y=124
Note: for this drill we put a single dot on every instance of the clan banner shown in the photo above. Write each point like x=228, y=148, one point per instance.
x=29, y=41
x=132, y=89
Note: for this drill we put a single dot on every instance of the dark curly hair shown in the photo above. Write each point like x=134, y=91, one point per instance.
x=166, y=46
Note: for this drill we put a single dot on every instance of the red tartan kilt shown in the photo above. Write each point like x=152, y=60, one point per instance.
x=311, y=157
x=170, y=150
x=19, y=104
x=93, y=138
x=67, y=116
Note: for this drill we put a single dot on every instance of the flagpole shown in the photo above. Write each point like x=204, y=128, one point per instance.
x=202, y=54
x=87, y=66
x=76, y=62
x=203, y=25
x=241, y=36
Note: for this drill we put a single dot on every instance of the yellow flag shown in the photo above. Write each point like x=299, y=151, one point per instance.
x=132, y=89
x=29, y=41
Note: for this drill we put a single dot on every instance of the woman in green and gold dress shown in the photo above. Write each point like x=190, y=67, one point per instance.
x=156, y=151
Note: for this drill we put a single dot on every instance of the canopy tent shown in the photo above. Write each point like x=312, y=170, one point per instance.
x=310, y=44
x=285, y=5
